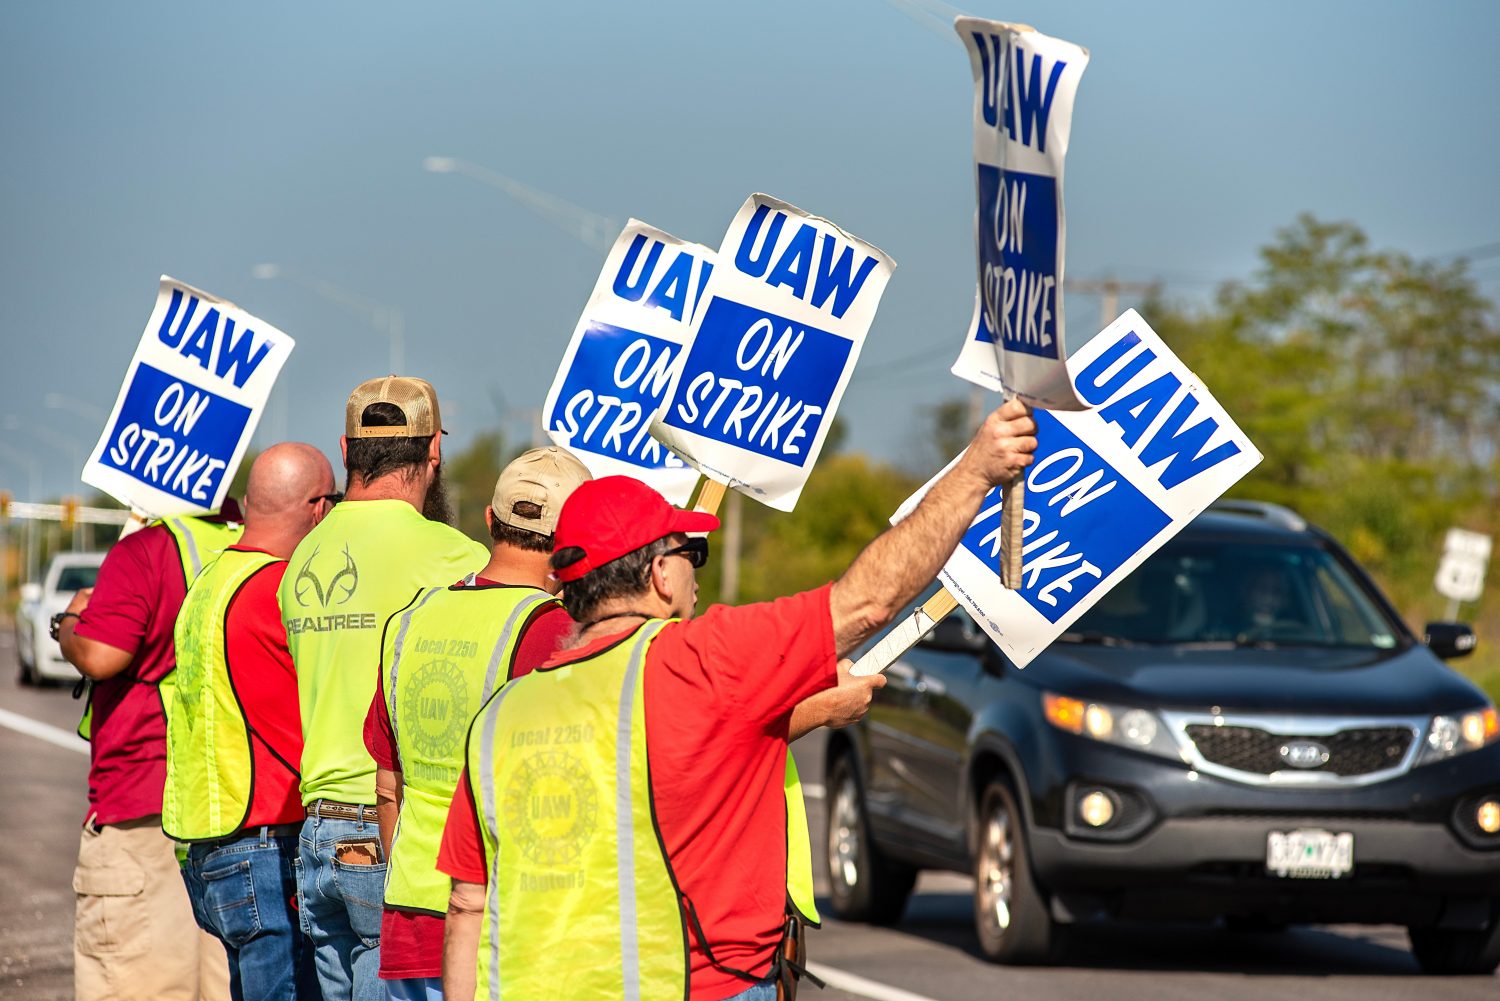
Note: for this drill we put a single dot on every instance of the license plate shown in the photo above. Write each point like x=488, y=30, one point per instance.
x=1309, y=854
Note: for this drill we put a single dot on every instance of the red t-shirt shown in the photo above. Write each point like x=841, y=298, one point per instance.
x=411, y=942
x=719, y=693
x=261, y=671
x=133, y=608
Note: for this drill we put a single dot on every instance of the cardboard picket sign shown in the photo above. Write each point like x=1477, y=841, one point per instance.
x=1108, y=487
x=1024, y=86
x=616, y=369
x=785, y=315
x=191, y=399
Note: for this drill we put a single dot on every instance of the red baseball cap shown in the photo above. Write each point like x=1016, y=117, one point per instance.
x=615, y=515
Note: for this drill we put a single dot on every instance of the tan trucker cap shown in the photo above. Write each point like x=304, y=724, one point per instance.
x=544, y=477
x=415, y=397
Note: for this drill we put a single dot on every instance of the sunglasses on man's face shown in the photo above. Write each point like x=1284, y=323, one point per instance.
x=694, y=550
x=332, y=498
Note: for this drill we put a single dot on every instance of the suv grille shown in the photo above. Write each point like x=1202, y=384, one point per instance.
x=1350, y=752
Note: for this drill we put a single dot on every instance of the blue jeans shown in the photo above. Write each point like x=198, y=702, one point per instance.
x=242, y=893
x=763, y=991
x=415, y=989
x=341, y=904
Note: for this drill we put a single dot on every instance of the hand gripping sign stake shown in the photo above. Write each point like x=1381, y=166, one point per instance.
x=1108, y=486
x=1024, y=85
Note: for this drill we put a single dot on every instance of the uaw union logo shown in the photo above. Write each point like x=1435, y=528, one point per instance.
x=310, y=590
x=188, y=679
x=437, y=710
x=551, y=807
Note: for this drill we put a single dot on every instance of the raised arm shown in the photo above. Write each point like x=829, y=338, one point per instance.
x=893, y=569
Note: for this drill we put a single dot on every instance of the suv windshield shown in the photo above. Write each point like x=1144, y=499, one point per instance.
x=76, y=578
x=1239, y=593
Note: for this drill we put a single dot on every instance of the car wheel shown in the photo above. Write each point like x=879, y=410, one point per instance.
x=863, y=884
x=1458, y=951
x=25, y=671
x=1011, y=914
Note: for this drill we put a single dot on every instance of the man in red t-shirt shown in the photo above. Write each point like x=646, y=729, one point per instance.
x=719, y=694
x=234, y=734
x=521, y=518
x=131, y=907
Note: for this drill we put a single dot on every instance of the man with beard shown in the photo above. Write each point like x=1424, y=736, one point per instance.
x=363, y=562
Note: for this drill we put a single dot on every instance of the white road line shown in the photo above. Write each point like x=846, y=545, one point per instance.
x=852, y=984
x=43, y=731
x=812, y=790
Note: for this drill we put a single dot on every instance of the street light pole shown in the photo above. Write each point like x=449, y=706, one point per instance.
x=19, y=458
x=588, y=227
x=386, y=319
x=75, y=449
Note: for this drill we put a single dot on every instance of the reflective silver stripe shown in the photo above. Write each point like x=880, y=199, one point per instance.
x=518, y=614
x=184, y=533
x=396, y=656
x=630, y=947
x=486, y=725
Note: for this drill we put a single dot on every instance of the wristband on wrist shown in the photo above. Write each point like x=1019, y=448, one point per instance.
x=55, y=626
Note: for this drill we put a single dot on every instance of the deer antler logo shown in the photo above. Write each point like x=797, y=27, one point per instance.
x=338, y=590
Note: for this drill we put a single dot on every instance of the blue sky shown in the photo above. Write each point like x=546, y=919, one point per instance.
x=201, y=140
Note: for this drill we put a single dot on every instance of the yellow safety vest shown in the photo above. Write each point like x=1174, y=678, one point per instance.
x=557, y=762
x=210, y=774
x=441, y=658
x=199, y=543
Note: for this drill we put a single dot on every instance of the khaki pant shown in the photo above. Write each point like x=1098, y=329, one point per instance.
x=134, y=935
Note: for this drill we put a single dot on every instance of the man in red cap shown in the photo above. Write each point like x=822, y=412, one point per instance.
x=622, y=827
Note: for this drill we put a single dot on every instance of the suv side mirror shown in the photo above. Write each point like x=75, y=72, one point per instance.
x=956, y=634
x=1450, y=639
x=31, y=593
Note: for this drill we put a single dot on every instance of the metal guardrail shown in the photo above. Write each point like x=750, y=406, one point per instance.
x=24, y=511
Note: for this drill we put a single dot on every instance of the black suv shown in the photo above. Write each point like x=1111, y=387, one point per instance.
x=1243, y=729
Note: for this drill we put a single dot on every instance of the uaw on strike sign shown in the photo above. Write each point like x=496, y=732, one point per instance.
x=1107, y=488
x=616, y=369
x=192, y=396
x=1024, y=85
x=785, y=315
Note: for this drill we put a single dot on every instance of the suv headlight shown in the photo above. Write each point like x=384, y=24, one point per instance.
x=1448, y=736
x=1138, y=729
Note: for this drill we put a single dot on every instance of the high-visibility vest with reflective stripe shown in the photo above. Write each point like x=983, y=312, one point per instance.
x=557, y=764
x=198, y=543
x=550, y=820
x=799, y=872
x=210, y=774
x=441, y=658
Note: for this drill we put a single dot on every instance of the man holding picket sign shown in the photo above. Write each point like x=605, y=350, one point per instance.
x=608, y=859
x=183, y=418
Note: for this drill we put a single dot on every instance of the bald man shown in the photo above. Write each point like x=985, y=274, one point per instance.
x=234, y=735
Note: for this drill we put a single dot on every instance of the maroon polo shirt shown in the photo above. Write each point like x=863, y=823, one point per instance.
x=133, y=608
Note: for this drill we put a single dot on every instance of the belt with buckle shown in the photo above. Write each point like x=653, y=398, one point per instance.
x=340, y=811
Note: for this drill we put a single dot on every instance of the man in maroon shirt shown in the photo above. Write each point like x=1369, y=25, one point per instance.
x=234, y=734
x=133, y=918
x=719, y=695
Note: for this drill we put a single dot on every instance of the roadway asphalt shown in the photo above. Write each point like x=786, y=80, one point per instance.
x=930, y=956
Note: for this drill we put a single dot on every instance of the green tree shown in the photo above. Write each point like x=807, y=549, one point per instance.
x=471, y=475
x=1370, y=380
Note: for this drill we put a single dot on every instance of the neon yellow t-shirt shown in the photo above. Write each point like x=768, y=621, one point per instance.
x=363, y=562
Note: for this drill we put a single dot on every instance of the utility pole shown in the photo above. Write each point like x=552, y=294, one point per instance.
x=1108, y=290
x=729, y=581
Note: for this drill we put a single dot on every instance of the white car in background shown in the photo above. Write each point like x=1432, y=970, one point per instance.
x=40, y=658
